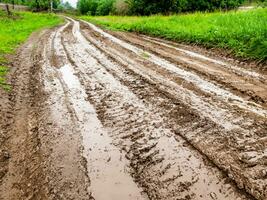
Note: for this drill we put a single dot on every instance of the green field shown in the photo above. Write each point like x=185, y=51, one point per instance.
x=15, y=30
x=243, y=33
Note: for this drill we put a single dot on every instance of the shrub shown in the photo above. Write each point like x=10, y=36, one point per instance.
x=87, y=6
x=104, y=7
x=120, y=7
x=148, y=7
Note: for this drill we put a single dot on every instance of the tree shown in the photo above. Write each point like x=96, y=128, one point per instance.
x=95, y=7
x=87, y=6
x=104, y=7
x=40, y=5
x=148, y=7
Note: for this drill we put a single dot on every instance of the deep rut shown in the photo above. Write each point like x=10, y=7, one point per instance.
x=124, y=116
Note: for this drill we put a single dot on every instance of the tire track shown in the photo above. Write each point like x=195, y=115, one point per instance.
x=233, y=68
x=156, y=156
x=245, y=138
x=243, y=82
x=187, y=76
x=104, y=163
x=24, y=177
x=96, y=117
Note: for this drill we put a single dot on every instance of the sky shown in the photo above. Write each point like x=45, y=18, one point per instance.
x=72, y=2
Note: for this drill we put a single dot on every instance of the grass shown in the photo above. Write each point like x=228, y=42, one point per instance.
x=244, y=33
x=15, y=30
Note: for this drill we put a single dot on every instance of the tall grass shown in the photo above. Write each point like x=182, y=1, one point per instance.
x=242, y=32
x=14, y=30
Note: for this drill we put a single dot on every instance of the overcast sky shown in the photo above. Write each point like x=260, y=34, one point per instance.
x=72, y=2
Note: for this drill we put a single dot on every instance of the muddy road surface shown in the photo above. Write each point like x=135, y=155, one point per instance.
x=104, y=115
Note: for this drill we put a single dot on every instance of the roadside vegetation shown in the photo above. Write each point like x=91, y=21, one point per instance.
x=15, y=30
x=36, y=5
x=242, y=32
x=164, y=7
x=251, y=2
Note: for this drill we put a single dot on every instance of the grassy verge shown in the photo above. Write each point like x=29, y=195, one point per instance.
x=244, y=33
x=15, y=30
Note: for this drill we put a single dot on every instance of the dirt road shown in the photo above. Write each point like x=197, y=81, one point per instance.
x=113, y=116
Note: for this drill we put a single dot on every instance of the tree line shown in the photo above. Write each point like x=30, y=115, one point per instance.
x=132, y=7
x=35, y=5
x=148, y=7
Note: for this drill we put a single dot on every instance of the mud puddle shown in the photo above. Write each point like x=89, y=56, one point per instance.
x=106, y=165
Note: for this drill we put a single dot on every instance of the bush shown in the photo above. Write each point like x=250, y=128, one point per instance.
x=39, y=5
x=87, y=6
x=120, y=7
x=104, y=7
x=148, y=7
x=263, y=3
x=95, y=7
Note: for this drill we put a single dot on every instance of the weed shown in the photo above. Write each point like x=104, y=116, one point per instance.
x=145, y=55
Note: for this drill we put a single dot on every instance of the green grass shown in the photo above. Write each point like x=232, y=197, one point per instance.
x=244, y=33
x=15, y=30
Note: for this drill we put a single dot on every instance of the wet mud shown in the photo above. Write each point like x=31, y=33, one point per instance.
x=109, y=115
